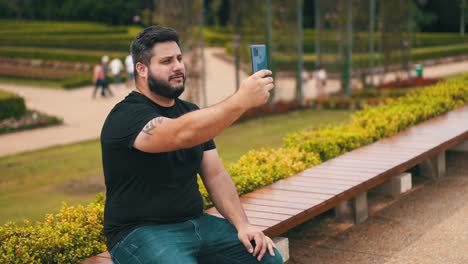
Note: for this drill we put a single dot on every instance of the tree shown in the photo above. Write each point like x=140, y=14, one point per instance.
x=185, y=17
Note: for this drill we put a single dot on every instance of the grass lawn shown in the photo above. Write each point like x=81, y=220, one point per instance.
x=35, y=183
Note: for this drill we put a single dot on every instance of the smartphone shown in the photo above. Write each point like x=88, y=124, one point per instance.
x=258, y=54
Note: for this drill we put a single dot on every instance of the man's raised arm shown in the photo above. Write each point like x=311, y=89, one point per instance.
x=165, y=134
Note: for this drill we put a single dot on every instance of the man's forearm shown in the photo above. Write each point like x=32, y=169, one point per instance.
x=200, y=126
x=224, y=195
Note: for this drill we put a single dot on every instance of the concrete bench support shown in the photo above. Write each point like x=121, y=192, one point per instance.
x=434, y=167
x=396, y=185
x=282, y=244
x=463, y=147
x=355, y=209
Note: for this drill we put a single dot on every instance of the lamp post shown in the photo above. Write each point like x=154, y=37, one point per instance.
x=462, y=17
x=349, y=48
x=269, y=41
x=317, y=33
x=300, y=62
x=371, y=40
x=202, y=51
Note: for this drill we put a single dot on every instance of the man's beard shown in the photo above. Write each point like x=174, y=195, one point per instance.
x=163, y=88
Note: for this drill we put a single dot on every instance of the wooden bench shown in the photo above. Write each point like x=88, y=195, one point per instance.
x=292, y=201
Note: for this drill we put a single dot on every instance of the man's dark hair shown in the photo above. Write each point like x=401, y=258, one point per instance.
x=144, y=42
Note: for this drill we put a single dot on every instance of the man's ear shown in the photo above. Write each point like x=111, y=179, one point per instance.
x=142, y=70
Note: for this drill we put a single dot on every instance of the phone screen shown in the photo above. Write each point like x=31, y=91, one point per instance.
x=258, y=54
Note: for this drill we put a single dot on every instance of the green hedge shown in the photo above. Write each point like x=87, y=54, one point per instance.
x=92, y=36
x=112, y=42
x=76, y=232
x=51, y=54
x=328, y=39
x=11, y=105
x=286, y=61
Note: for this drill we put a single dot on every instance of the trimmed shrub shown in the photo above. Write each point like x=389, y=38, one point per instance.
x=54, y=54
x=372, y=124
x=70, y=236
x=260, y=168
x=328, y=142
x=11, y=105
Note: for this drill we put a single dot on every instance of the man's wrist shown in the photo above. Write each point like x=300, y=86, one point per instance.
x=243, y=225
x=237, y=103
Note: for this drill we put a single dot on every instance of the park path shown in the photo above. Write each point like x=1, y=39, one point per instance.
x=83, y=116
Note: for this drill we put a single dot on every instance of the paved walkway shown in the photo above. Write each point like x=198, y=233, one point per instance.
x=83, y=116
x=427, y=225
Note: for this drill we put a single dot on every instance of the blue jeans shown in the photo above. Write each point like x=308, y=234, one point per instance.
x=206, y=240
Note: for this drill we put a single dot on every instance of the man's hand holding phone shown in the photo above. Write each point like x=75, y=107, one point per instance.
x=255, y=89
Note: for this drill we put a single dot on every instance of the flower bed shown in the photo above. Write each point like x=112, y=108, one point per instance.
x=29, y=120
x=414, y=82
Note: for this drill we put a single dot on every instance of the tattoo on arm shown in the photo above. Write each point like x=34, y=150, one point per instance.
x=152, y=125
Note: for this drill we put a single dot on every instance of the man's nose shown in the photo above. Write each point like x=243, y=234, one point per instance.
x=178, y=66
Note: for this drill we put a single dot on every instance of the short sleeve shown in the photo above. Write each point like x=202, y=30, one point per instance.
x=209, y=145
x=125, y=122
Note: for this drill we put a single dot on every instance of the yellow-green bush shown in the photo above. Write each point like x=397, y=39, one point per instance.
x=259, y=168
x=329, y=142
x=70, y=236
x=372, y=124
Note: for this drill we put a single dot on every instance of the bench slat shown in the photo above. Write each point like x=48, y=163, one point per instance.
x=291, y=194
x=340, y=182
x=281, y=204
x=273, y=209
x=281, y=198
x=298, y=182
x=356, y=177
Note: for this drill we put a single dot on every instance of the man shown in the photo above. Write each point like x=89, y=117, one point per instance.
x=116, y=67
x=153, y=146
x=100, y=79
x=129, y=68
x=320, y=76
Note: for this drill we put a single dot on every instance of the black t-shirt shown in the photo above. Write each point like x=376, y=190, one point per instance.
x=146, y=188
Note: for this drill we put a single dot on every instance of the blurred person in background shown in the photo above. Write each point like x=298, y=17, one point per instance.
x=130, y=69
x=320, y=76
x=100, y=78
x=116, y=68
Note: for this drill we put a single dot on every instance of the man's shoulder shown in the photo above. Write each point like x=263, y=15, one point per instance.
x=189, y=105
x=127, y=116
x=131, y=104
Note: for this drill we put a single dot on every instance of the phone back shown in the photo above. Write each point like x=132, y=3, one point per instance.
x=258, y=54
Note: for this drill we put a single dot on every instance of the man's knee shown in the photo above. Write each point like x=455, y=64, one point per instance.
x=276, y=259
